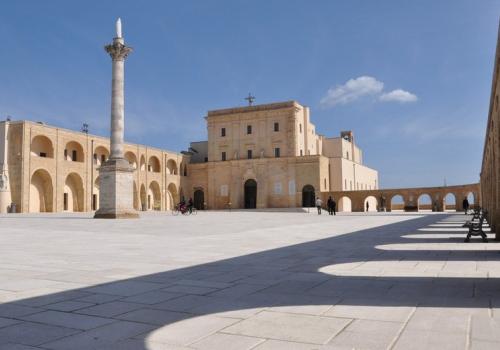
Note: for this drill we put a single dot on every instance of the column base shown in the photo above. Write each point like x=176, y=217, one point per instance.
x=116, y=195
x=116, y=215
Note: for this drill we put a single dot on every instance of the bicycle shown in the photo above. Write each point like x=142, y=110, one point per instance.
x=184, y=210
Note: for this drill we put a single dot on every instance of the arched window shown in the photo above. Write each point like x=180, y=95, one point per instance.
x=73, y=152
x=154, y=164
x=41, y=146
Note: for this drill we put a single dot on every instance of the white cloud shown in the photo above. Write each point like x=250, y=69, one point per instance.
x=352, y=90
x=398, y=95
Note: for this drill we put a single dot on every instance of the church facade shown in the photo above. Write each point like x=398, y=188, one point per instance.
x=262, y=156
x=270, y=156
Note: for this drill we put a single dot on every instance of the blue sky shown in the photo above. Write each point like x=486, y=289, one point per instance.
x=412, y=79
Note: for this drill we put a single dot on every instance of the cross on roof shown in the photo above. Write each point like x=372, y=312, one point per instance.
x=250, y=99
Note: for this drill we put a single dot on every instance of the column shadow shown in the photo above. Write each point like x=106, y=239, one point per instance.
x=342, y=270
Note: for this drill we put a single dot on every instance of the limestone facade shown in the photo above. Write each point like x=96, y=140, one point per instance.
x=51, y=169
x=490, y=170
x=408, y=199
x=270, y=155
x=267, y=156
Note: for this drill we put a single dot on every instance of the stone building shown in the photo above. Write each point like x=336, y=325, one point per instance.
x=490, y=170
x=49, y=169
x=255, y=157
x=271, y=156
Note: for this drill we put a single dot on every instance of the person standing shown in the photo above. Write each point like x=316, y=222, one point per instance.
x=465, y=205
x=329, y=205
x=319, y=203
x=367, y=206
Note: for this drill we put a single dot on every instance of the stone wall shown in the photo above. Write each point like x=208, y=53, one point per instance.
x=490, y=170
x=53, y=166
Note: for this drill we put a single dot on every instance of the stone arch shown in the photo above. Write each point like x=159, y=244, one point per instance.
x=424, y=202
x=397, y=202
x=250, y=194
x=183, y=169
x=171, y=167
x=143, y=197
x=199, y=199
x=73, y=193
x=95, y=194
x=181, y=193
x=372, y=203
x=344, y=204
x=136, y=197
x=154, y=164
x=172, y=196
x=132, y=159
x=308, y=196
x=101, y=154
x=154, y=196
x=73, y=152
x=41, y=146
x=471, y=197
x=450, y=201
x=143, y=163
x=41, y=192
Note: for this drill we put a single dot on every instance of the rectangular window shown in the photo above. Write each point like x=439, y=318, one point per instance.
x=249, y=129
x=249, y=154
x=65, y=201
x=277, y=152
x=223, y=156
x=277, y=188
x=345, y=184
x=43, y=154
x=224, y=190
x=73, y=156
x=223, y=132
x=276, y=126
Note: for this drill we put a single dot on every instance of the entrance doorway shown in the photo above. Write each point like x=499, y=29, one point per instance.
x=308, y=196
x=250, y=194
x=199, y=199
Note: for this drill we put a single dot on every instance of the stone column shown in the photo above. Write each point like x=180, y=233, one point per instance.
x=116, y=197
x=118, y=52
x=5, y=195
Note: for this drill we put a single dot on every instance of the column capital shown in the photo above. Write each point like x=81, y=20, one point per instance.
x=118, y=50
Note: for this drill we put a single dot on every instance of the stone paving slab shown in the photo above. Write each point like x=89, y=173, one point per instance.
x=247, y=280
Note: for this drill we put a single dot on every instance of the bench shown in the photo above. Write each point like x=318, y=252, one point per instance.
x=476, y=228
x=476, y=214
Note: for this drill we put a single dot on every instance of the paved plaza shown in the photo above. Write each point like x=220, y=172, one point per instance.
x=247, y=280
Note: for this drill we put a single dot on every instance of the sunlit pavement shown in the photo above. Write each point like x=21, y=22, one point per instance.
x=247, y=280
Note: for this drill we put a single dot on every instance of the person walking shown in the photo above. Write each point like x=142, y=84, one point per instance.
x=465, y=205
x=319, y=203
x=367, y=206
